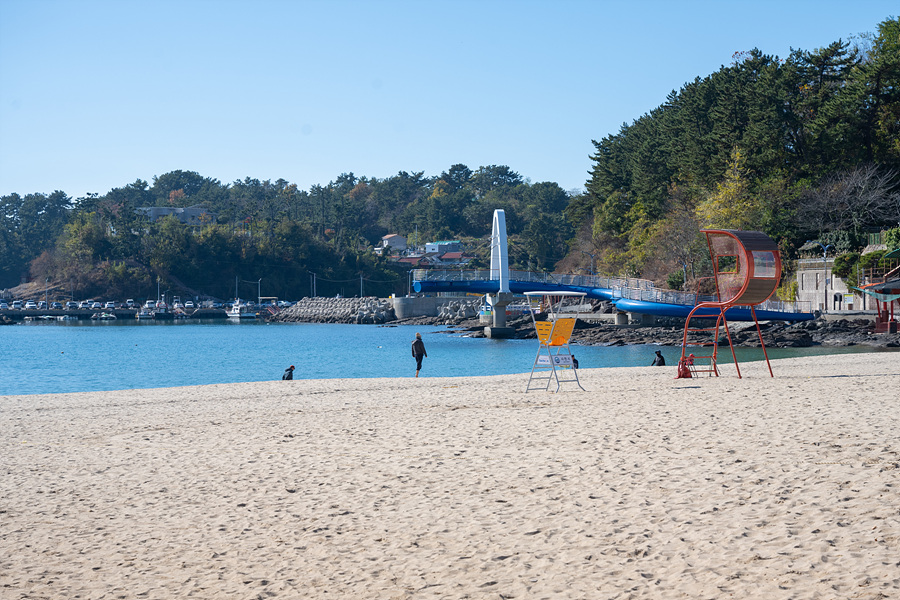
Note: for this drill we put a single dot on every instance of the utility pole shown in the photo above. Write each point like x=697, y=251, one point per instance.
x=825, y=272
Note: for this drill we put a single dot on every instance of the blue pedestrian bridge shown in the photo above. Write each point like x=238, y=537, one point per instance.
x=626, y=293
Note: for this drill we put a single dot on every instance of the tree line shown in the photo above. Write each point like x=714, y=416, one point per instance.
x=102, y=245
x=801, y=148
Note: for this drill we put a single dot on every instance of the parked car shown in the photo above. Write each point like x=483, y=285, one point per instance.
x=17, y=305
x=189, y=304
x=30, y=305
x=110, y=305
x=130, y=303
x=56, y=305
x=4, y=306
x=150, y=304
x=96, y=306
x=71, y=304
x=42, y=305
x=84, y=304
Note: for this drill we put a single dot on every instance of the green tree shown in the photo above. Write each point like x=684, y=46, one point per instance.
x=732, y=205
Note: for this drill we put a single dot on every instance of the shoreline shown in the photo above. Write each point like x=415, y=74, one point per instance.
x=644, y=485
x=726, y=365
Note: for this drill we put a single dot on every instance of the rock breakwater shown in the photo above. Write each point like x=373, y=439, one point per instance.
x=369, y=310
x=776, y=334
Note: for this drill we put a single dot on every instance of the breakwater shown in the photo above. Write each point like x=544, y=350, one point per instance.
x=377, y=311
x=368, y=310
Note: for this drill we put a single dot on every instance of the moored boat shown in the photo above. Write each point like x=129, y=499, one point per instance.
x=241, y=311
x=103, y=316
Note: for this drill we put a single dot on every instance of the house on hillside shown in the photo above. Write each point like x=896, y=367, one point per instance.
x=391, y=244
x=452, y=259
x=438, y=248
x=416, y=262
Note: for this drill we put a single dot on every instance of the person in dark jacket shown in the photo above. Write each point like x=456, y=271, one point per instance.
x=658, y=360
x=418, y=352
x=288, y=373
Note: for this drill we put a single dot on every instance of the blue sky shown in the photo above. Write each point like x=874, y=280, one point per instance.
x=96, y=94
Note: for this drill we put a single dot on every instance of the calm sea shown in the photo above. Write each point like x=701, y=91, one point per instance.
x=79, y=356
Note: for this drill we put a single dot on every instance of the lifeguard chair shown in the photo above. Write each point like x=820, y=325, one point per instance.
x=746, y=270
x=554, y=360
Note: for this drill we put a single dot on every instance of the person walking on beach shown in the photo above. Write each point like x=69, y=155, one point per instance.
x=418, y=352
x=658, y=360
x=288, y=373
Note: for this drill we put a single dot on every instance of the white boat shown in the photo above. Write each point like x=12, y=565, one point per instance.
x=143, y=314
x=241, y=311
x=104, y=316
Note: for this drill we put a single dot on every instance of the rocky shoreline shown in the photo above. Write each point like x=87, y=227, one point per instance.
x=460, y=319
x=776, y=334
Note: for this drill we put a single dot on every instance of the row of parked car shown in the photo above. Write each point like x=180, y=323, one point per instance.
x=42, y=305
x=96, y=305
x=70, y=305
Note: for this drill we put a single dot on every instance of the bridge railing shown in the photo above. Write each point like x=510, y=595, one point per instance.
x=592, y=281
x=622, y=287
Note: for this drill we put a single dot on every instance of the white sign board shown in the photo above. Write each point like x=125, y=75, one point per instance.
x=559, y=360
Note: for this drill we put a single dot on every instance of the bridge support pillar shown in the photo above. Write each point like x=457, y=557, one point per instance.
x=498, y=328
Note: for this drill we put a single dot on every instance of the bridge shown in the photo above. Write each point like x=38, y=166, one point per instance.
x=626, y=293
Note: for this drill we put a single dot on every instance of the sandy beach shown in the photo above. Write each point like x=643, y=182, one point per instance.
x=644, y=486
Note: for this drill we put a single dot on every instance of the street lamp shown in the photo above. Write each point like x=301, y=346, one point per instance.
x=592, y=261
x=825, y=270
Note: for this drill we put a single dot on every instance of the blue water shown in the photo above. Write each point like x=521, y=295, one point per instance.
x=78, y=356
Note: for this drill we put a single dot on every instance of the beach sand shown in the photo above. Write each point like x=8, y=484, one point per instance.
x=642, y=487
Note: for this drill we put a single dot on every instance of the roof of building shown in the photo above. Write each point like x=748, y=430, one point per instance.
x=412, y=259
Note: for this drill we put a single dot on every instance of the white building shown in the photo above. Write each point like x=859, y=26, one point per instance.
x=826, y=294
x=392, y=242
x=443, y=247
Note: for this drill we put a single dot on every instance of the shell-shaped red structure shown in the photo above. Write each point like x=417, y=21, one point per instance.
x=746, y=270
x=746, y=266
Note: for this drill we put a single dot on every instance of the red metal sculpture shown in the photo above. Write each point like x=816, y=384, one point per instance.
x=746, y=270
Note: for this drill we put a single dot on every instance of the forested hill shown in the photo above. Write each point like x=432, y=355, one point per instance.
x=805, y=147
x=102, y=246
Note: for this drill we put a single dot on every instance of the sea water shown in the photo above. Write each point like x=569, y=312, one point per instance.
x=82, y=356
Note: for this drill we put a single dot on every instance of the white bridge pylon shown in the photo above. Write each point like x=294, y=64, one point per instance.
x=499, y=260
